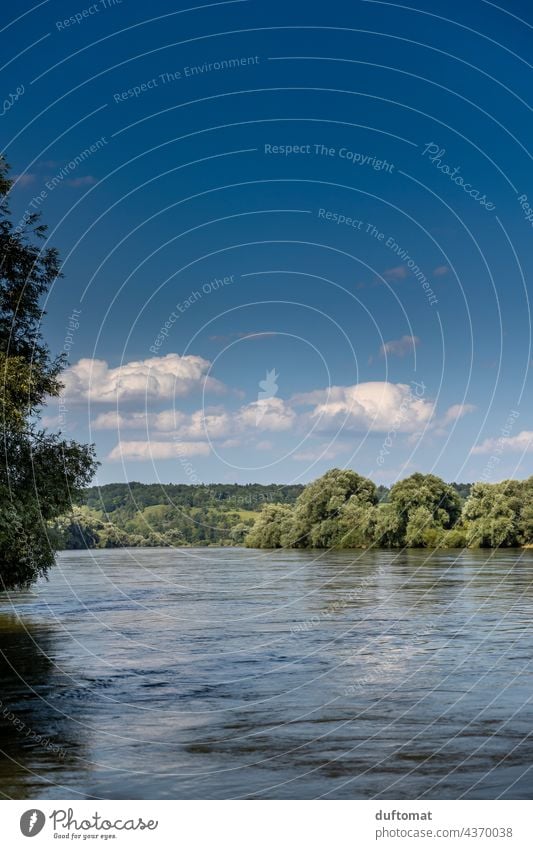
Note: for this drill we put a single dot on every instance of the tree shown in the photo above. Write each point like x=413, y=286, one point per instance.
x=525, y=519
x=271, y=527
x=40, y=473
x=77, y=530
x=357, y=523
x=387, y=526
x=318, y=510
x=421, y=528
x=492, y=514
x=438, y=498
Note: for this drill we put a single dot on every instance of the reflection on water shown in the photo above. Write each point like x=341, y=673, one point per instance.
x=223, y=673
x=37, y=741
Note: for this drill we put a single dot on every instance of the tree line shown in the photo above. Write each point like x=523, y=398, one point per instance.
x=343, y=510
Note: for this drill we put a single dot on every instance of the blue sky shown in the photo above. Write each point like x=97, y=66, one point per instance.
x=294, y=236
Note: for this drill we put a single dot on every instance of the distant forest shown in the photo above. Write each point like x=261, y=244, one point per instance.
x=154, y=515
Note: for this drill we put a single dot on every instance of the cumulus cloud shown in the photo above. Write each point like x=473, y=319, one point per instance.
x=271, y=414
x=522, y=442
x=266, y=414
x=156, y=378
x=157, y=450
x=456, y=412
x=375, y=407
x=114, y=420
x=371, y=406
x=399, y=347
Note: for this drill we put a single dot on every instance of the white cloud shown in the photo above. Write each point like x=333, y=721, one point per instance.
x=522, y=442
x=114, y=420
x=375, y=406
x=156, y=378
x=399, y=272
x=157, y=450
x=399, y=347
x=215, y=423
x=456, y=412
x=266, y=414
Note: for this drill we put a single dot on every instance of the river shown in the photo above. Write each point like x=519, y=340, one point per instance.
x=227, y=673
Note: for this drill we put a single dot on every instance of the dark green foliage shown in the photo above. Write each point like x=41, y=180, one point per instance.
x=135, y=496
x=441, y=501
x=40, y=473
x=499, y=514
x=139, y=514
x=340, y=510
x=272, y=528
x=318, y=510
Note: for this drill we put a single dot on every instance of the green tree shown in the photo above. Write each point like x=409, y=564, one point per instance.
x=40, y=473
x=422, y=528
x=271, y=527
x=439, y=499
x=492, y=514
x=357, y=523
x=318, y=510
x=387, y=526
x=78, y=529
x=525, y=519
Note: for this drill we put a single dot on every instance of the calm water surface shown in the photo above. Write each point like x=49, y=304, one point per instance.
x=225, y=673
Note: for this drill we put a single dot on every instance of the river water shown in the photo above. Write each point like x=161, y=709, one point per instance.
x=226, y=673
